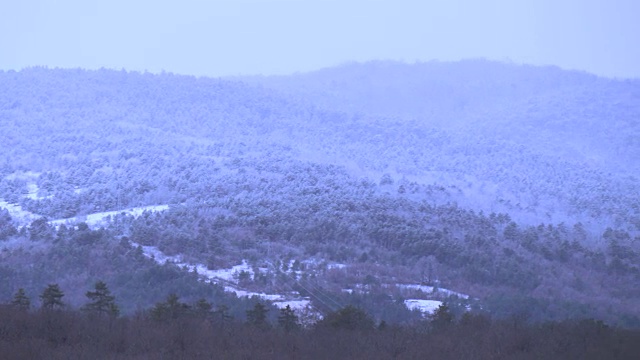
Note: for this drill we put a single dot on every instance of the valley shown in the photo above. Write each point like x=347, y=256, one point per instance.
x=512, y=190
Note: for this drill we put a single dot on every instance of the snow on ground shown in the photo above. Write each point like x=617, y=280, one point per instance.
x=226, y=277
x=427, y=290
x=20, y=216
x=32, y=191
x=102, y=218
x=24, y=175
x=336, y=266
x=432, y=290
x=424, y=306
x=225, y=274
x=296, y=305
x=242, y=293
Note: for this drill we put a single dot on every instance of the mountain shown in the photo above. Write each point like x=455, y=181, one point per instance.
x=513, y=184
x=539, y=133
x=567, y=113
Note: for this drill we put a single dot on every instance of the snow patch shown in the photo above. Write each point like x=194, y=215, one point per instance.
x=295, y=305
x=336, y=266
x=102, y=218
x=20, y=217
x=243, y=293
x=226, y=277
x=424, y=306
x=432, y=290
x=32, y=192
x=23, y=175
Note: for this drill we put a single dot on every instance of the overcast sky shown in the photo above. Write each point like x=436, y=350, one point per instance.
x=232, y=37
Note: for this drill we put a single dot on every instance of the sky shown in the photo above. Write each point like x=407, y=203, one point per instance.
x=242, y=37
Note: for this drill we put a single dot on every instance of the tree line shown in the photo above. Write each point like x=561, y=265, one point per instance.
x=174, y=329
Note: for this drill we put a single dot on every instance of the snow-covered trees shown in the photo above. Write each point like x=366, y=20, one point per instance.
x=250, y=172
x=7, y=228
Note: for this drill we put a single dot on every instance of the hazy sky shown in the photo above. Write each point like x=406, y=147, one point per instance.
x=230, y=37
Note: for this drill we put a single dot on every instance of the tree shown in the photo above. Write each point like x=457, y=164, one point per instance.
x=41, y=230
x=349, y=318
x=52, y=297
x=442, y=317
x=386, y=179
x=202, y=308
x=102, y=302
x=288, y=320
x=6, y=226
x=171, y=309
x=21, y=301
x=258, y=315
x=221, y=315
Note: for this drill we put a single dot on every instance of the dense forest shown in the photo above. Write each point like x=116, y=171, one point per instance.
x=507, y=191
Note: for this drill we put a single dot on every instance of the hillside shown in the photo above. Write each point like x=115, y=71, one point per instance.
x=567, y=113
x=513, y=184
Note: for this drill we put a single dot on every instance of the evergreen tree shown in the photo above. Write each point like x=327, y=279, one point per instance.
x=41, y=230
x=222, y=314
x=171, y=309
x=21, y=300
x=6, y=226
x=442, y=317
x=288, y=320
x=349, y=318
x=202, y=308
x=258, y=315
x=102, y=302
x=52, y=297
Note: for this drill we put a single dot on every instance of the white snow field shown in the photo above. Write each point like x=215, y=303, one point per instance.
x=424, y=306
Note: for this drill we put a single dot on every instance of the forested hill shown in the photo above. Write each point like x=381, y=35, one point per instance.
x=500, y=183
x=586, y=118
x=551, y=140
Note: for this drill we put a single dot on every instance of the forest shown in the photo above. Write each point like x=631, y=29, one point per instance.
x=501, y=191
x=173, y=329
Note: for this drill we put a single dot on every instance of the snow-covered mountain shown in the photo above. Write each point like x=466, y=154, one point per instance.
x=512, y=184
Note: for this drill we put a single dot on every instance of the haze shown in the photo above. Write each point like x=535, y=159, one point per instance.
x=232, y=37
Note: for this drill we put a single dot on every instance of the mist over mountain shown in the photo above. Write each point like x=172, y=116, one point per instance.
x=579, y=115
x=506, y=182
x=534, y=125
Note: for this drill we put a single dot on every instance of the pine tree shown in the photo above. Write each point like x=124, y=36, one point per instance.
x=258, y=315
x=202, y=308
x=21, y=301
x=52, y=297
x=102, y=302
x=222, y=315
x=349, y=318
x=171, y=309
x=288, y=320
x=442, y=317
